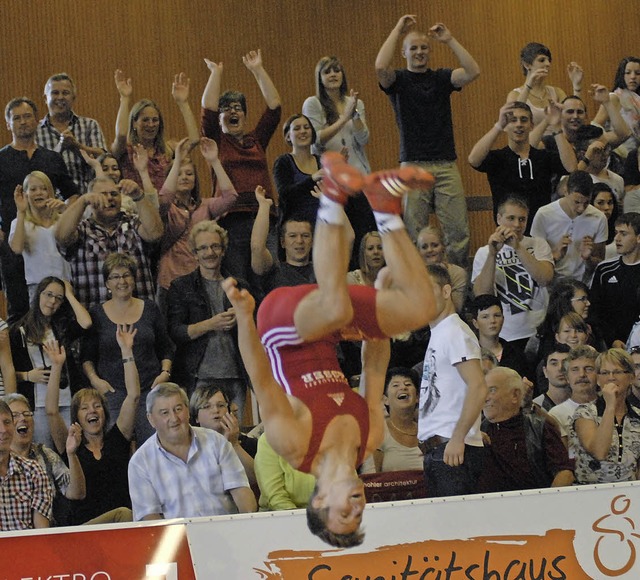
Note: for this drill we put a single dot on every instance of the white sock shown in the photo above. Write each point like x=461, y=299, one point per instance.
x=331, y=212
x=388, y=222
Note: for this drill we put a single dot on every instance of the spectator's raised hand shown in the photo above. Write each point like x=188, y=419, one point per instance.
x=261, y=196
x=180, y=88
x=125, y=334
x=20, y=199
x=600, y=93
x=74, y=438
x=140, y=157
x=214, y=67
x=406, y=23
x=208, y=148
x=253, y=60
x=575, y=72
x=440, y=32
x=123, y=84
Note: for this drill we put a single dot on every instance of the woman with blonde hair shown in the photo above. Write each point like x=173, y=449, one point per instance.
x=370, y=258
x=32, y=231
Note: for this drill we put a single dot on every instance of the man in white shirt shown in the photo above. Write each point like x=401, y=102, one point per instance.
x=580, y=368
x=575, y=230
x=452, y=394
x=184, y=471
x=516, y=268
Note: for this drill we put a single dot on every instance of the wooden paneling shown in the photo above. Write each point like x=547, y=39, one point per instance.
x=153, y=40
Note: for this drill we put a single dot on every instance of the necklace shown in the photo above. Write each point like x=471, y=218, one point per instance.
x=401, y=431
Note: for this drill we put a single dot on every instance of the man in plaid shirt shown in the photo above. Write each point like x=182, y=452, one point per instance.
x=26, y=496
x=63, y=131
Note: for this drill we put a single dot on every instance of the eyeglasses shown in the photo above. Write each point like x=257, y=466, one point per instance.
x=118, y=277
x=213, y=247
x=25, y=414
x=49, y=295
x=583, y=299
x=230, y=108
x=617, y=373
x=218, y=406
x=634, y=350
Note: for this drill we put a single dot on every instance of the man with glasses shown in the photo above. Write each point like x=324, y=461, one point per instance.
x=615, y=290
x=85, y=243
x=17, y=159
x=25, y=492
x=202, y=322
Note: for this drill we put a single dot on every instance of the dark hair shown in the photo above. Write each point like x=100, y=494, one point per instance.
x=596, y=189
x=229, y=97
x=13, y=103
x=102, y=158
x=557, y=347
x=560, y=296
x=406, y=372
x=5, y=409
x=34, y=322
x=574, y=320
x=575, y=97
x=290, y=120
x=482, y=302
x=584, y=135
x=631, y=219
x=328, y=106
x=618, y=80
x=513, y=200
x=317, y=523
x=579, y=182
x=530, y=51
x=440, y=274
x=524, y=106
x=202, y=394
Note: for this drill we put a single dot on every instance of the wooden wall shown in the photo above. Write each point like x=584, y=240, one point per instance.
x=153, y=40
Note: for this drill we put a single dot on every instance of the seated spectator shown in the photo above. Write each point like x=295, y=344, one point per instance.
x=210, y=408
x=517, y=269
x=296, y=239
x=606, y=434
x=67, y=133
x=25, y=491
x=55, y=313
x=185, y=471
x=632, y=182
x=487, y=317
x=523, y=450
x=557, y=389
x=104, y=452
x=520, y=169
x=535, y=60
x=32, y=230
x=399, y=449
x=575, y=230
x=634, y=396
x=202, y=322
x=100, y=348
x=579, y=366
x=181, y=207
x=370, y=260
x=281, y=486
x=68, y=482
x=603, y=198
x=432, y=248
x=85, y=243
x=242, y=152
x=297, y=173
x=7, y=370
x=615, y=290
x=142, y=128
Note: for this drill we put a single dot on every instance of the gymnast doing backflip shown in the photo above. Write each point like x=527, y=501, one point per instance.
x=311, y=416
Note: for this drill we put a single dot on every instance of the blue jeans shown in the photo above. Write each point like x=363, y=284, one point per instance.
x=442, y=480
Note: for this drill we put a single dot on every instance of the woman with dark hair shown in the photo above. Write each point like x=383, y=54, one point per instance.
x=297, y=173
x=55, y=313
x=338, y=117
x=603, y=198
x=105, y=450
x=399, y=450
x=535, y=60
x=626, y=87
x=142, y=130
x=101, y=358
x=181, y=207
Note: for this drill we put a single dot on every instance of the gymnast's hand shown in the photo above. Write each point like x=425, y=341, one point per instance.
x=243, y=303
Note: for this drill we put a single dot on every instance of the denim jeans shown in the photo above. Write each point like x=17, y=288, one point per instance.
x=443, y=480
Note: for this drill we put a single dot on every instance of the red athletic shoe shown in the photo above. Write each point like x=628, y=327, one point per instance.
x=340, y=180
x=385, y=189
